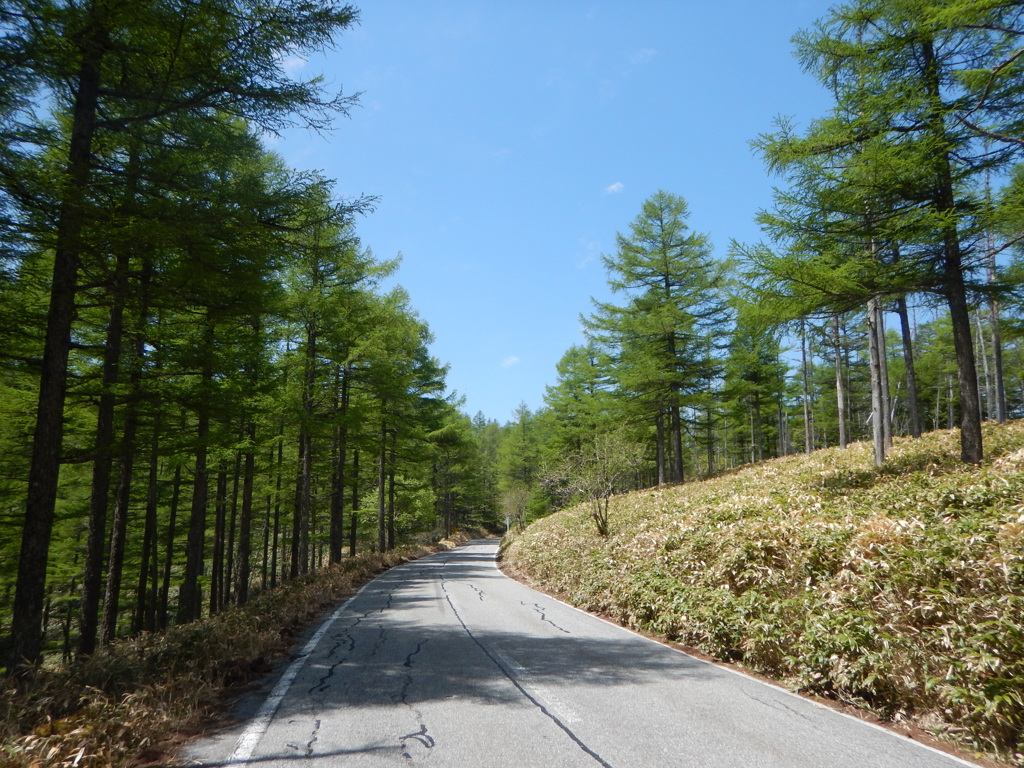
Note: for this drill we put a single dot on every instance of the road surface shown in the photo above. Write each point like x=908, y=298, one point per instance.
x=445, y=661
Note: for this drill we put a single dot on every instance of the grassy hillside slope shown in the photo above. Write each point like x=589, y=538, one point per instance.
x=899, y=589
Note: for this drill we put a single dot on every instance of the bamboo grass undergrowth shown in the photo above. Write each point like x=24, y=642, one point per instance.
x=897, y=589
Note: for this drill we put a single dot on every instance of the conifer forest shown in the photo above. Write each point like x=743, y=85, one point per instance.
x=210, y=385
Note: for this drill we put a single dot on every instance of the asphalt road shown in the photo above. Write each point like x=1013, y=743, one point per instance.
x=447, y=662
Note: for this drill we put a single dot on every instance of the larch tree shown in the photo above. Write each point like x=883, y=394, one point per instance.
x=97, y=62
x=580, y=402
x=754, y=374
x=920, y=84
x=675, y=306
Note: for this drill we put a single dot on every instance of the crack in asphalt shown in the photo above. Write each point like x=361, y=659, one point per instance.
x=307, y=748
x=510, y=674
x=344, y=641
x=421, y=736
x=339, y=643
x=313, y=738
x=544, y=616
x=325, y=680
x=776, y=704
x=378, y=643
x=408, y=659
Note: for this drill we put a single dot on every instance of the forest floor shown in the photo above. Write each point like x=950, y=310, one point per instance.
x=133, y=702
x=898, y=589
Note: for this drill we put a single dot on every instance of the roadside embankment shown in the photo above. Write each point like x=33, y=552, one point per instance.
x=898, y=589
x=131, y=701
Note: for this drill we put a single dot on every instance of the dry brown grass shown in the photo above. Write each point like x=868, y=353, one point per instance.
x=898, y=589
x=128, y=702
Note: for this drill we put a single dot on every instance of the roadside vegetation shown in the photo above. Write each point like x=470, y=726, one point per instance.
x=899, y=588
x=191, y=416
x=193, y=413
x=132, y=701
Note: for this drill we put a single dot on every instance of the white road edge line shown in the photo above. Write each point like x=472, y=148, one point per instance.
x=745, y=676
x=256, y=727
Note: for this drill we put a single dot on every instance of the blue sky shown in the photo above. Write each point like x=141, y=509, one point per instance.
x=508, y=142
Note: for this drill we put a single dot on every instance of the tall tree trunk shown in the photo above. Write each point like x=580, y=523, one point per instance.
x=758, y=435
x=303, y=497
x=190, y=598
x=265, y=561
x=997, y=361
x=119, y=526
x=449, y=513
x=908, y=364
x=353, y=527
x=783, y=429
x=189, y=593
x=122, y=500
x=105, y=420
x=381, y=479
x=753, y=436
x=950, y=420
x=971, y=450
x=878, y=407
x=883, y=379
x=229, y=569
x=145, y=592
x=102, y=466
x=217, y=558
x=659, y=430
x=805, y=393
x=66, y=625
x=837, y=350
x=300, y=528
x=710, y=433
x=391, y=492
x=245, y=523
x=44, y=470
x=337, y=526
x=165, y=587
x=986, y=397
x=677, y=443
x=993, y=313
x=145, y=598
x=279, y=480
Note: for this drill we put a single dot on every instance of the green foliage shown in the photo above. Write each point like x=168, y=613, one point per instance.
x=579, y=404
x=660, y=345
x=596, y=471
x=897, y=588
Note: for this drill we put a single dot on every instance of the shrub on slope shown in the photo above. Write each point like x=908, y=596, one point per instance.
x=899, y=588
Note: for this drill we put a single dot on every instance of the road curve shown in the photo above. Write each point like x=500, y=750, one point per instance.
x=445, y=661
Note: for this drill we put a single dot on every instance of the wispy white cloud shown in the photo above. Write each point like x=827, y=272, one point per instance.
x=293, y=63
x=615, y=188
x=642, y=56
x=591, y=250
x=508, y=362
